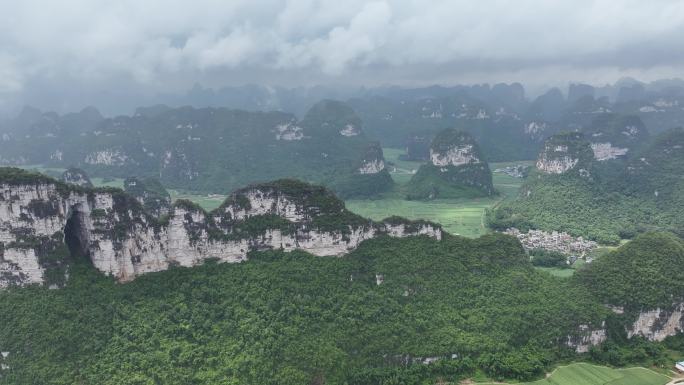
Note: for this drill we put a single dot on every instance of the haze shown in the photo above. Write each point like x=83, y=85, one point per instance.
x=117, y=55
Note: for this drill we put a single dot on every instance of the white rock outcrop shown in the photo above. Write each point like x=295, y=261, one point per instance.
x=558, y=165
x=586, y=338
x=289, y=132
x=535, y=129
x=657, y=324
x=653, y=325
x=454, y=156
x=109, y=157
x=123, y=241
x=372, y=166
x=350, y=130
x=606, y=151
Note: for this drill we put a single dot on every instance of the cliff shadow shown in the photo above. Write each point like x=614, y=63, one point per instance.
x=76, y=233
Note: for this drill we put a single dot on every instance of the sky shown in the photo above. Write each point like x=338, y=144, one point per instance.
x=64, y=53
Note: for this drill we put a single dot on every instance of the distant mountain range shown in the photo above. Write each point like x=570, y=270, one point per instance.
x=215, y=149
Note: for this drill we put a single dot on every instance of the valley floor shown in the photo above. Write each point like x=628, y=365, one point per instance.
x=458, y=216
x=587, y=374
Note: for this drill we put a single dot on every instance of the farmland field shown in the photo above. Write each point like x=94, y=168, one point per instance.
x=457, y=216
x=208, y=202
x=108, y=182
x=587, y=374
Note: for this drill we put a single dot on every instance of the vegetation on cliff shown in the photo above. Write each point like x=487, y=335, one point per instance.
x=378, y=316
x=466, y=176
x=643, y=193
x=209, y=149
x=290, y=318
x=646, y=273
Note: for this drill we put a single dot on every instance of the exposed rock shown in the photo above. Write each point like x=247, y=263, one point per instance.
x=606, y=151
x=455, y=156
x=110, y=157
x=454, y=148
x=350, y=130
x=332, y=117
x=289, y=131
x=373, y=161
x=613, y=135
x=564, y=152
x=586, y=337
x=653, y=325
x=77, y=177
x=39, y=216
x=150, y=193
x=536, y=129
x=456, y=169
x=657, y=324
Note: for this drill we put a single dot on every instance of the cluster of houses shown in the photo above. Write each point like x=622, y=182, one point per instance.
x=517, y=171
x=3, y=357
x=553, y=241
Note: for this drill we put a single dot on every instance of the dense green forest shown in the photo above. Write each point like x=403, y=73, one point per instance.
x=209, y=149
x=291, y=318
x=646, y=273
x=452, y=181
x=618, y=199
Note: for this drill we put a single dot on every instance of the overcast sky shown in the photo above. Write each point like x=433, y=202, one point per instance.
x=57, y=48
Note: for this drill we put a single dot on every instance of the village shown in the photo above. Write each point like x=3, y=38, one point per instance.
x=517, y=171
x=562, y=242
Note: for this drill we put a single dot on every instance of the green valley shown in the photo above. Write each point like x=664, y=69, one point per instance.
x=464, y=216
x=587, y=374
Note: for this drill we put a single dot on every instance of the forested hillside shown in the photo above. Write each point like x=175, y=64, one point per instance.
x=207, y=149
x=293, y=318
x=456, y=169
x=611, y=199
x=377, y=316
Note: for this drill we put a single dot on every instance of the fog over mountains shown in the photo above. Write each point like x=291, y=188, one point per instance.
x=64, y=56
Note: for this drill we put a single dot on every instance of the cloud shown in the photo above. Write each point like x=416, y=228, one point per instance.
x=10, y=75
x=154, y=43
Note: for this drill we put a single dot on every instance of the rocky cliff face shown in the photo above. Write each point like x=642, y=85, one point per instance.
x=657, y=324
x=372, y=161
x=565, y=152
x=613, y=136
x=456, y=169
x=454, y=148
x=77, y=177
x=606, y=151
x=41, y=218
x=38, y=218
x=654, y=325
x=150, y=193
x=586, y=337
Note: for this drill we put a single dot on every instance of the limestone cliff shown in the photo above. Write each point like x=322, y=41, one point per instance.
x=150, y=193
x=76, y=176
x=372, y=161
x=657, y=324
x=44, y=224
x=456, y=169
x=613, y=136
x=653, y=325
x=565, y=152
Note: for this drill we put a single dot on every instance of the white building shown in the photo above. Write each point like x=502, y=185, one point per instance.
x=680, y=366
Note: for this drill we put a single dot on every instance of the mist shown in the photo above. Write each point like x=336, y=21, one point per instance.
x=69, y=54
